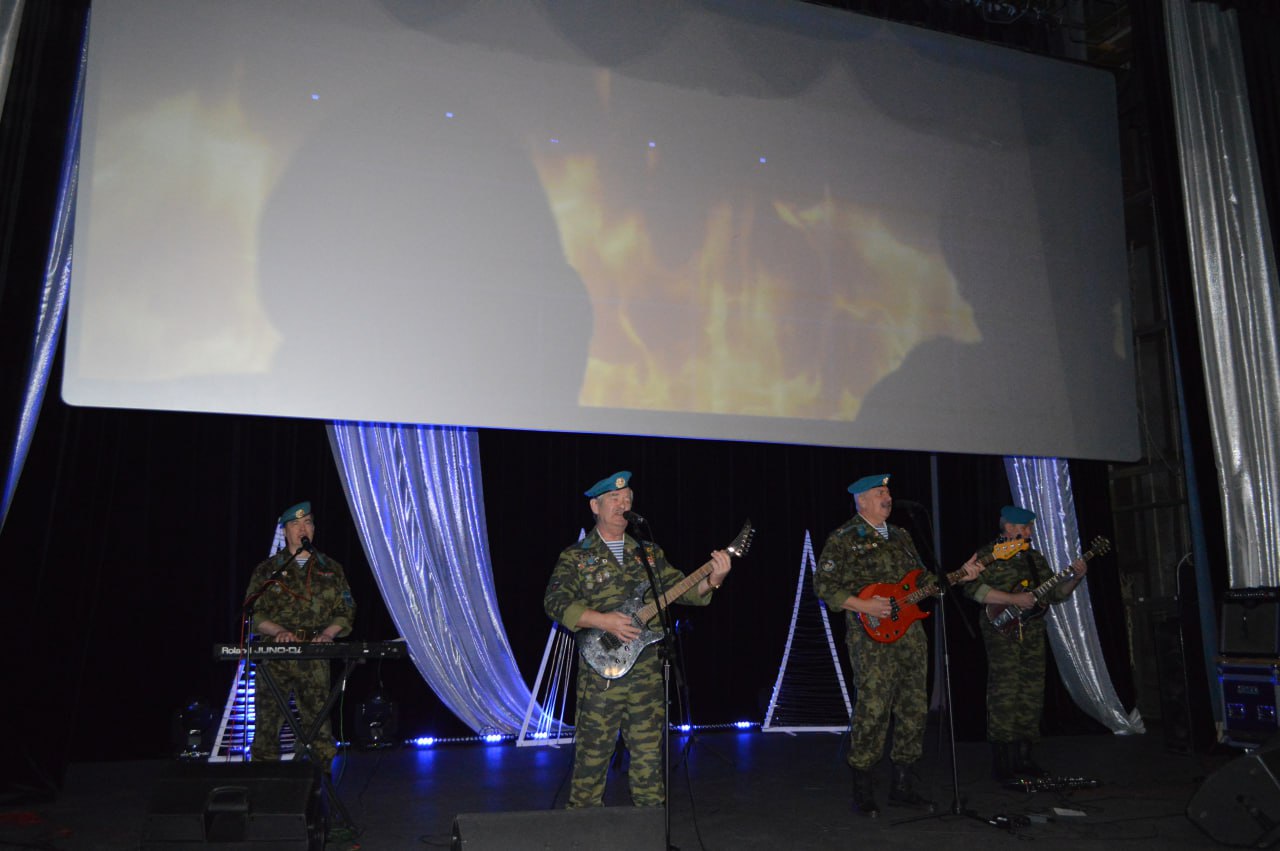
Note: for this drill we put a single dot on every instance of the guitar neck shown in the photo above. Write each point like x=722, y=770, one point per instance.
x=675, y=592
x=1058, y=578
x=932, y=588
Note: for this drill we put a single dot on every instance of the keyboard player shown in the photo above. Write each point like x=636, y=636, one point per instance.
x=298, y=595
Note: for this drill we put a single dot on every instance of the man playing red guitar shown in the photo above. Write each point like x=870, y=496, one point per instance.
x=1016, y=657
x=889, y=676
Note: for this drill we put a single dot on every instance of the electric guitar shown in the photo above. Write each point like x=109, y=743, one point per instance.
x=610, y=656
x=905, y=595
x=1008, y=618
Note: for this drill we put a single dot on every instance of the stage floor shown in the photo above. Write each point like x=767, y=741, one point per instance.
x=729, y=790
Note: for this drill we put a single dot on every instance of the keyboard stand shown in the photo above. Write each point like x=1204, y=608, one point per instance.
x=304, y=738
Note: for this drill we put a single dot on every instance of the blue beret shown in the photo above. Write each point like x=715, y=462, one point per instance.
x=866, y=483
x=295, y=512
x=1017, y=516
x=616, y=482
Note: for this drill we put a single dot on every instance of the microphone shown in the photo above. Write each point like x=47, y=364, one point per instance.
x=632, y=517
x=305, y=544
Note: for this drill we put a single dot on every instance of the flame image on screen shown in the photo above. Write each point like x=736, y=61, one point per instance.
x=803, y=329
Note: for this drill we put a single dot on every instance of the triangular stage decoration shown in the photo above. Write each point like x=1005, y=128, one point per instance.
x=810, y=695
x=544, y=720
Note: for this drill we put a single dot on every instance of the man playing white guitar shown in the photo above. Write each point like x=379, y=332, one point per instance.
x=592, y=581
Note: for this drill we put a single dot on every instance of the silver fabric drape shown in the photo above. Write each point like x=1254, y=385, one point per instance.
x=415, y=493
x=1044, y=486
x=10, y=21
x=53, y=298
x=1236, y=288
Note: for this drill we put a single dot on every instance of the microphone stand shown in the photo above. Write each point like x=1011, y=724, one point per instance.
x=940, y=631
x=664, y=651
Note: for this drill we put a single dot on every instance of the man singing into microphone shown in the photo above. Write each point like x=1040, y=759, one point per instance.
x=591, y=580
x=890, y=677
x=297, y=595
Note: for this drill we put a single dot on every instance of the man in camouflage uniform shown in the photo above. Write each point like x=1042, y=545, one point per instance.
x=591, y=580
x=1016, y=664
x=889, y=677
x=299, y=594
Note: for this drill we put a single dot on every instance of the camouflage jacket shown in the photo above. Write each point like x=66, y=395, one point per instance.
x=855, y=556
x=1024, y=572
x=586, y=576
x=302, y=599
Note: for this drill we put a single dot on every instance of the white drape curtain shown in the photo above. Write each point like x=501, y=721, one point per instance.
x=1236, y=289
x=1044, y=486
x=415, y=493
x=10, y=20
x=57, y=275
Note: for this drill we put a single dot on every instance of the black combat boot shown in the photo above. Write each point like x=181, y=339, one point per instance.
x=903, y=790
x=1002, y=757
x=1022, y=762
x=864, y=794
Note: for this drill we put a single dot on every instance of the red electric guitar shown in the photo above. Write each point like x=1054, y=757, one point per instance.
x=905, y=594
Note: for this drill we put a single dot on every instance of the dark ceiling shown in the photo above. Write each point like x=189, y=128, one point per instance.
x=1092, y=31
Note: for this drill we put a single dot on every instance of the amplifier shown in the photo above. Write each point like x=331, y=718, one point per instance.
x=1249, y=699
x=1250, y=626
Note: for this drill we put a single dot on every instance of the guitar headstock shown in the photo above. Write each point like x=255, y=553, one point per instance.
x=742, y=543
x=1100, y=546
x=1008, y=549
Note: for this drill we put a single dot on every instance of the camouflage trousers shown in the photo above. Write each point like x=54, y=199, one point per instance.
x=632, y=706
x=1015, y=683
x=890, y=679
x=308, y=682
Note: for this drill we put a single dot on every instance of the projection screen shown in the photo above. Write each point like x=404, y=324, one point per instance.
x=759, y=221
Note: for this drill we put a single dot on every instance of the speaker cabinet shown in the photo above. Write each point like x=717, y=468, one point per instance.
x=615, y=828
x=1250, y=626
x=1250, y=697
x=1175, y=696
x=1239, y=804
x=262, y=806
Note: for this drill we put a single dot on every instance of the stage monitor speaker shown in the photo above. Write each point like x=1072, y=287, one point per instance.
x=1239, y=804
x=615, y=828
x=260, y=806
x=1250, y=626
x=1171, y=668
